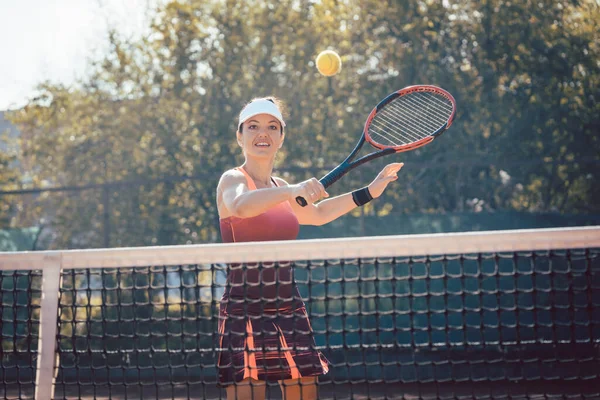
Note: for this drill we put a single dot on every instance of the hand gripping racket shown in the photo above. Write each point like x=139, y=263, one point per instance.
x=405, y=120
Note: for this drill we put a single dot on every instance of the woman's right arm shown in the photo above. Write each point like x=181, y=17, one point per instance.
x=242, y=202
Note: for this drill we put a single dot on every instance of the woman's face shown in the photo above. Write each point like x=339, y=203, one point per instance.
x=261, y=136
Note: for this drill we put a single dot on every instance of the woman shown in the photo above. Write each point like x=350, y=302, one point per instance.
x=264, y=330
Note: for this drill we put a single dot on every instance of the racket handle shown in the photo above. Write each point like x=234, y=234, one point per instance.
x=326, y=181
x=301, y=201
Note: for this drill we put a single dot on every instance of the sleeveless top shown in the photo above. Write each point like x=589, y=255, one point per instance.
x=268, y=287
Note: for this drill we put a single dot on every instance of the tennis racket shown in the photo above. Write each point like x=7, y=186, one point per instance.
x=405, y=120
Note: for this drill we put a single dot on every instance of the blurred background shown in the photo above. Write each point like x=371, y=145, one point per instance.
x=117, y=118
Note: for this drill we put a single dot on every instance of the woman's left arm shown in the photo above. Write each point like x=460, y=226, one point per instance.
x=333, y=208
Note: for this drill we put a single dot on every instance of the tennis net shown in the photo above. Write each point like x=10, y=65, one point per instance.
x=506, y=314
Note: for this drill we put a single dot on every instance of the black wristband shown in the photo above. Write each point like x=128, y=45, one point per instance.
x=361, y=196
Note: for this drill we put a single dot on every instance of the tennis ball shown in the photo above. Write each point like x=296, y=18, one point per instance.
x=329, y=63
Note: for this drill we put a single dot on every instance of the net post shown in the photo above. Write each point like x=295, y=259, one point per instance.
x=44, y=386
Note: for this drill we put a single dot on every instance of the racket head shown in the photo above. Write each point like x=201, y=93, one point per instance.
x=410, y=118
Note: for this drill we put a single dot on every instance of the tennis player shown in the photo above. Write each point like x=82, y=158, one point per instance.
x=264, y=331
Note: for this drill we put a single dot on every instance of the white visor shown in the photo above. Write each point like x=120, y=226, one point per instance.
x=261, y=106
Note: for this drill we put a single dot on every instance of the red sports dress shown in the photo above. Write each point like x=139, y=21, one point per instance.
x=264, y=332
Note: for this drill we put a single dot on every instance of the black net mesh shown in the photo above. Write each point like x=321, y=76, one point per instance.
x=20, y=293
x=493, y=325
x=480, y=325
x=138, y=332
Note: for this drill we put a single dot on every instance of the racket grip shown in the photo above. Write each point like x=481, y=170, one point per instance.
x=301, y=201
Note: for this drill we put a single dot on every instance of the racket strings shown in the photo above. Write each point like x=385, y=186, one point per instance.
x=410, y=118
x=440, y=109
x=422, y=110
x=415, y=116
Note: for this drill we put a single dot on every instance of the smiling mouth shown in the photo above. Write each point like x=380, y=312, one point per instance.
x=262, y=144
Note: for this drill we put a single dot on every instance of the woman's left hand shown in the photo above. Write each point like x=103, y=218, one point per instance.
x=387, y=175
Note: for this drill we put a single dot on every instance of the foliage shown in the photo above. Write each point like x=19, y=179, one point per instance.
x=525, y=76
x=9, y=175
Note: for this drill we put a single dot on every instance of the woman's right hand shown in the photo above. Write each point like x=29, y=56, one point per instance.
x=311, y=190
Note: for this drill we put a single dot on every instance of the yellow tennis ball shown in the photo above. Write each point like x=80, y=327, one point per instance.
x=329, y=63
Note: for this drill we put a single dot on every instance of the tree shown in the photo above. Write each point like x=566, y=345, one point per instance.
x=162, y=108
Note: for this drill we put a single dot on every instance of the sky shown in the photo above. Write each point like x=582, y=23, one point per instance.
x=53, y=40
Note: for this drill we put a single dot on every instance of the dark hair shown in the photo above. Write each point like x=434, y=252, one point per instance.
x=279, y=103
